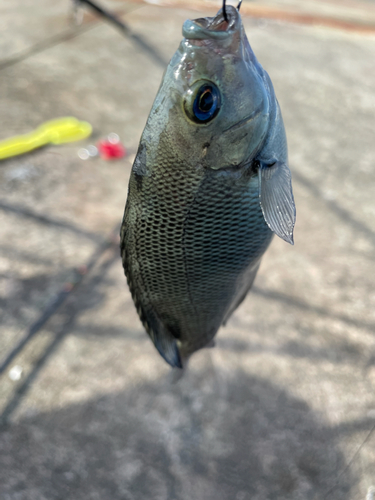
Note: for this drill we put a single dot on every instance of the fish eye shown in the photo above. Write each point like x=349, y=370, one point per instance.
x=206, y=103
x=202, y=102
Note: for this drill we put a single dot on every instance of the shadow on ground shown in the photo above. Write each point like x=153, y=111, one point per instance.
x=210, y=435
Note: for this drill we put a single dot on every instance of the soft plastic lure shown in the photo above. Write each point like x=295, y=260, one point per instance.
x=59, y=131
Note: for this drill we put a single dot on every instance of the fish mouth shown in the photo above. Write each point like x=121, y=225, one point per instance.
x=216, y=28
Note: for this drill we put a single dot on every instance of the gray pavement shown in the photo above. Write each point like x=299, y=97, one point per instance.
x=283, y=407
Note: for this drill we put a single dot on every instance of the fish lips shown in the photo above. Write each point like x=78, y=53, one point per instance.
x=194, y=31
x=212, y=28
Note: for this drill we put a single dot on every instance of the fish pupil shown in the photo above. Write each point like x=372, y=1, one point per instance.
x=206, y=101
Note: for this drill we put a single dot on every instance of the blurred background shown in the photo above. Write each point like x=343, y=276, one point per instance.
x=283, y=407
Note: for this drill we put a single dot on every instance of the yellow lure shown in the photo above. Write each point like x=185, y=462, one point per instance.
x=57, y=131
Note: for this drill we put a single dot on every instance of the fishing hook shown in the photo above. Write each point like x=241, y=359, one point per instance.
x=225, y=10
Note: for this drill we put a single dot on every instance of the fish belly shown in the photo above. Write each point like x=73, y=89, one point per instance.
x=191, y=245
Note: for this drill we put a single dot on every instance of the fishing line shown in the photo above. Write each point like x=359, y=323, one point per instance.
x=369, y=434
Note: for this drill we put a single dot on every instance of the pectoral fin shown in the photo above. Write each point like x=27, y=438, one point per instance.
x=276, y=198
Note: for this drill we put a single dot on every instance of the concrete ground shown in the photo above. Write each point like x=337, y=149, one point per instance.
x=283, y=407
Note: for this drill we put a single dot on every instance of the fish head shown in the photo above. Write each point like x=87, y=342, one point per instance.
x=214, y=100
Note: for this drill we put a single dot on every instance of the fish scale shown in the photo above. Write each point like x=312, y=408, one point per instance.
x=189, y=251
x=209, y=187
x=153, y=246
x=222, y=241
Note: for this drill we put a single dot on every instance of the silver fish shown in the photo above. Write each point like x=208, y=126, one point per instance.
x=209, y=186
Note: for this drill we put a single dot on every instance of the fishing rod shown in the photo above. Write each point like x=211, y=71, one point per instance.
x=112, y=18
x=102, y=12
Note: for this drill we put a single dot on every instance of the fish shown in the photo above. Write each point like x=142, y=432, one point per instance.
x=209, y=187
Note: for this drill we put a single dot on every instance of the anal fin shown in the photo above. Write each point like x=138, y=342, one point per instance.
x=164, y=341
